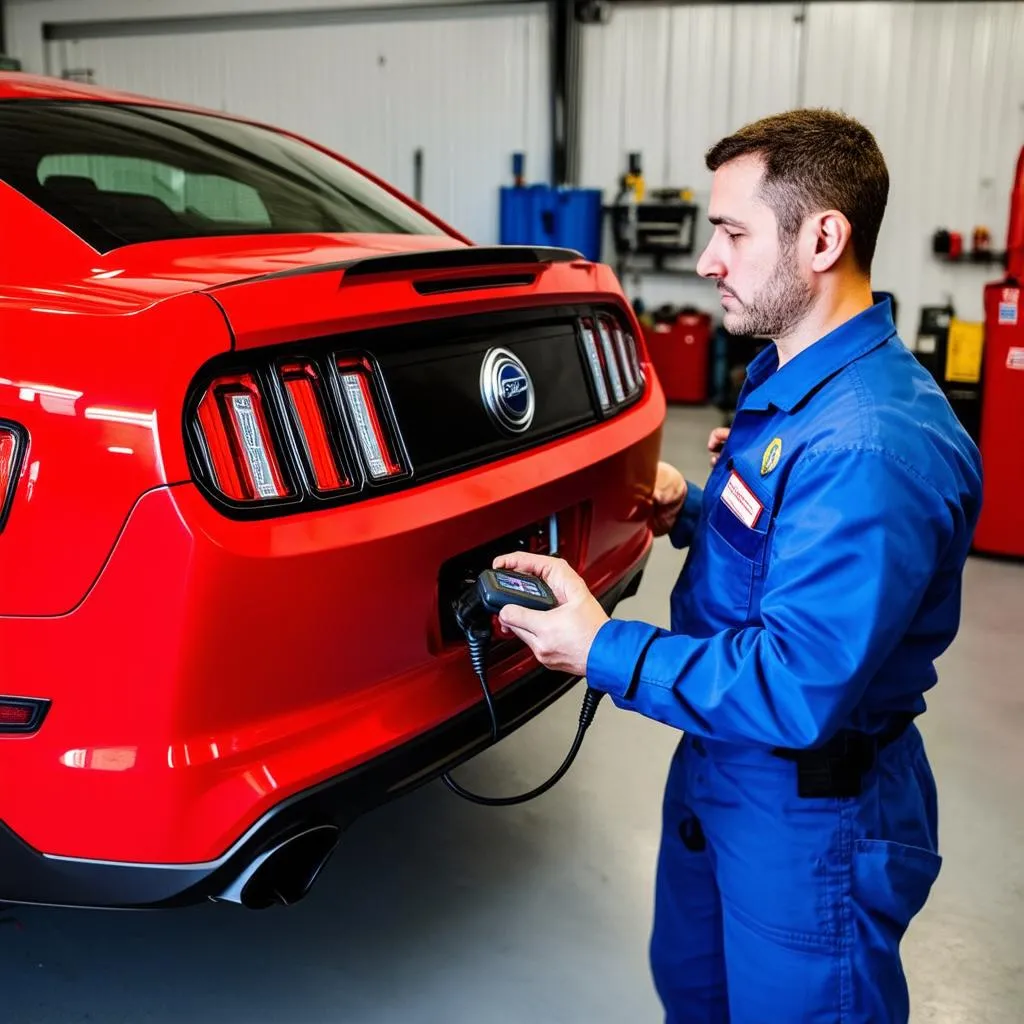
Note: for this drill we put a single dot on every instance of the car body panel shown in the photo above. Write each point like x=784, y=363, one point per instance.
x=104, y=426
x=217, y=666
x=204, y=669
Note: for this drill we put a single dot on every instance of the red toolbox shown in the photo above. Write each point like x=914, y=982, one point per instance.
x=678, y=341
x=1000, y=529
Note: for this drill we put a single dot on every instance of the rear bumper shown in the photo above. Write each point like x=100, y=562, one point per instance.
x=29, y=876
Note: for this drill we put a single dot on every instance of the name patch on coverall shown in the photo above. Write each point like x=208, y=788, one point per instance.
x=740, y=500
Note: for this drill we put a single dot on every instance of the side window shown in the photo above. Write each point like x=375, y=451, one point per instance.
x=205, y=198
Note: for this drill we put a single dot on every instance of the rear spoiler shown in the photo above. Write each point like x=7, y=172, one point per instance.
x=457, y=258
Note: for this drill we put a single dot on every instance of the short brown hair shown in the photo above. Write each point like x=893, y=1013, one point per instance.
x=816, y=160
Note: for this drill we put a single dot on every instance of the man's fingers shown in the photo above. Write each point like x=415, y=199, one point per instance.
x=522, y=621
x=554, y=571
x=716, y=441
x=668, y=483
x=717, y=438
x=668, y=492
x=526, y=561
x=531, y=640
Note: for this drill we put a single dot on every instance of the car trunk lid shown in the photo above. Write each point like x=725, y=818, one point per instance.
x=383, y=370
x=375, y=288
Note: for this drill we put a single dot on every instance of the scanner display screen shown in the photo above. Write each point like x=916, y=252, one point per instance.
x=515, y=583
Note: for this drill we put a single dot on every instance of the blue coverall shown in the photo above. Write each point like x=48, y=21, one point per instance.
x=823, y=578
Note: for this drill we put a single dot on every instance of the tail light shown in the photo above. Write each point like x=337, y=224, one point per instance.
x=317, y=427
x=627, y=359
x=306, y=399
x=596, y=366
x=11, y=448
x=613, y=360
x=242, y=455
x=22, y=714
x=366, y=412
x=297, y=428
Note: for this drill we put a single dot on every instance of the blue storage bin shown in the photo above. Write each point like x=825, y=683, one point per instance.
x=527, y=215
x=541, y=215
x=578, y=220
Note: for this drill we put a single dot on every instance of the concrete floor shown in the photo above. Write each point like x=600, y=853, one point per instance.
x=434, y=911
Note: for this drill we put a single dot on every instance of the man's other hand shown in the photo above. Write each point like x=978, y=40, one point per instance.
x=561, y=638
x=668, y=498
x=716, y=442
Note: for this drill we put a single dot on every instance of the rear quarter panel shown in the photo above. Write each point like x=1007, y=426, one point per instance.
x=99, y=391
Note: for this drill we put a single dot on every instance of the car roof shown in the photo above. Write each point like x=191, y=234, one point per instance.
x=17, y=85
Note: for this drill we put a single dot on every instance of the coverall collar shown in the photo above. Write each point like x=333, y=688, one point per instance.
x=786, y=388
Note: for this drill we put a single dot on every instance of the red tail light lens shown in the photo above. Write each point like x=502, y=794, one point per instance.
x=611, y=360
x=22, y=714
x=238, y=439
x=303, y=387
x=633, y=348
x=627, y=359
x=596, y=365
x=10, y=460
x=8, y=453
x=15, y=714
x=8, y=449
x=364, y=411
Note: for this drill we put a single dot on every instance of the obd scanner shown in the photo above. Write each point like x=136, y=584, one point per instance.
x=474, y=610
x=495, y=588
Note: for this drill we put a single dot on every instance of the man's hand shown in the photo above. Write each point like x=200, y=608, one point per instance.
x=669, y=496
x=716, y=442
x=561, y=638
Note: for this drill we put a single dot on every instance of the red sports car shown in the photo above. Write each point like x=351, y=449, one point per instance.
x=261, y=418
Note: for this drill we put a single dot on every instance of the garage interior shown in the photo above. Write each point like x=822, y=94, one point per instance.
x=434, y=910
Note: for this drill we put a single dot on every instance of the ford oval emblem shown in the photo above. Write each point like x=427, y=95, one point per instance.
x=507, y=391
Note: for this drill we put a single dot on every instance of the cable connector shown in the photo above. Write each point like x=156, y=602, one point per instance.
x=591, y=699
x=474, y=619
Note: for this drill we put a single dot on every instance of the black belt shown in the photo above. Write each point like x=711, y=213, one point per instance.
x=838, y=767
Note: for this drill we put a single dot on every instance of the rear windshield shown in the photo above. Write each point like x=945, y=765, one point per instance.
x=121, y=174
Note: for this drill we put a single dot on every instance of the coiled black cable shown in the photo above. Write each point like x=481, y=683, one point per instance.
x=478, y=639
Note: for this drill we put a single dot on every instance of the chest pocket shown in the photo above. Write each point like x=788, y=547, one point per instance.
x=737, y=554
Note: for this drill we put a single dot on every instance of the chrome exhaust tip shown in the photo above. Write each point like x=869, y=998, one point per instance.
x=285, y=873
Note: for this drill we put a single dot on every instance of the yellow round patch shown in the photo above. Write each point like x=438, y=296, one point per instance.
x=771, y=456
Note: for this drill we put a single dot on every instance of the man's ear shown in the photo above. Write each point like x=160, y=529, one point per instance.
x=832, y=233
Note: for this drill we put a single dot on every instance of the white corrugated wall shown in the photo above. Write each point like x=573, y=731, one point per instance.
x=941, y=85
x=669, y=81
x=24, y=19
x=468, y=88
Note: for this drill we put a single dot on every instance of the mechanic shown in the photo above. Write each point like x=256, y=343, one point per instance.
x=823, y=578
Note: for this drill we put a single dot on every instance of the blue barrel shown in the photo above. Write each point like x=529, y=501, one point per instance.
x=527, y=215
x=578, y=220
x=541, y=215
